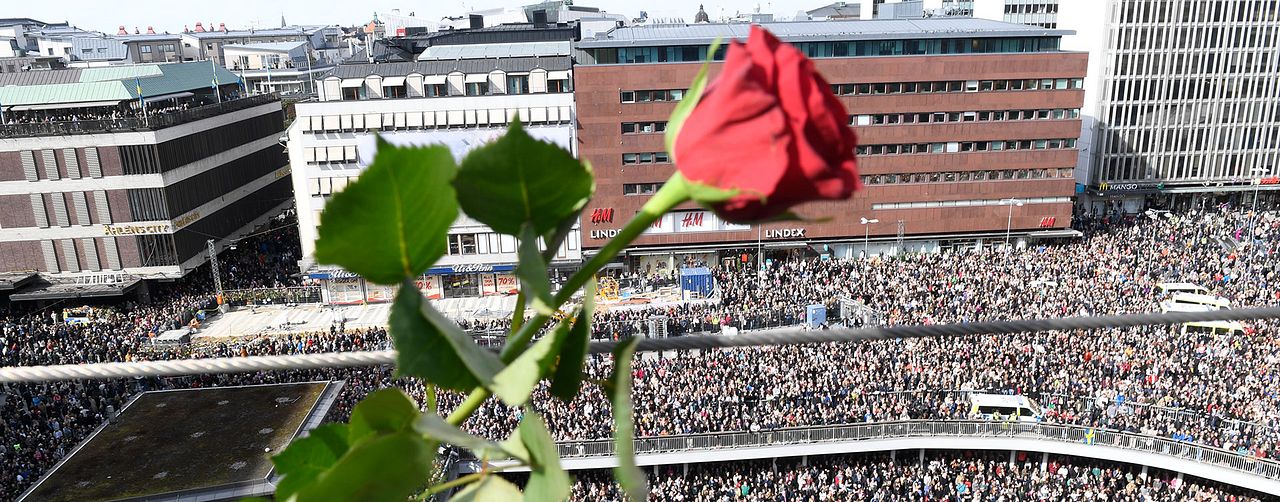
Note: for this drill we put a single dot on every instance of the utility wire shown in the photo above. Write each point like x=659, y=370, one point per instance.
x=782, y=337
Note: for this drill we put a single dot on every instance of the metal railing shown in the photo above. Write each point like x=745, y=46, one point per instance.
x=150, y=123
x=923, y=429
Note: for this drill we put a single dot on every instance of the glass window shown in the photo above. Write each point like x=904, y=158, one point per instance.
x=646, y=158
x=517, y=84
x=661, y=158
x=437, y=90
x=477, y=88
x=677, y=94
x=1060, y=83
x=629, y=158
x=628, y=97
x=146, y=49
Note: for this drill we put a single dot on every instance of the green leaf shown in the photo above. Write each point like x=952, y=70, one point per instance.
x=434, y=426
x=554, y=240
x=489, y=489
x=689, y=101
x=627, y=472
x=391, y=223
x=305, y=459
x=432, y=347
x=388, y=467
x=532, y=271
x=518, y=179
x=514, y=384
x=547, y=480
x=567, y=379
x=385, y=411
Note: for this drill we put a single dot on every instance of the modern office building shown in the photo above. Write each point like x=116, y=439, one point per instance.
x=97, y=181
x=955, y=117
x=458, y=95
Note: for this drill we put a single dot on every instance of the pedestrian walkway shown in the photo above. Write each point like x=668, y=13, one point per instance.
x=246, y=321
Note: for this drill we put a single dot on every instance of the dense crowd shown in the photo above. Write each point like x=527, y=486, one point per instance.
x=942, y=476
x=1207, y=389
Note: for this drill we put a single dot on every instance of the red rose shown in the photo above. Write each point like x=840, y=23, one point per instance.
x=770, y=128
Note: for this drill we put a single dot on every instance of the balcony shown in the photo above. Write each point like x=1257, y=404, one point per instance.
x=134, y=123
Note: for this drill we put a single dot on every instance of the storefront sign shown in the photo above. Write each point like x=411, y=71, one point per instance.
x=694, y=221
x=1270, y=180
x=471, y=268
x=784, y=233
x=345, y=291
x=377, y=293
x=508, y=284
x=602, y=215
x=162, y=228
x=488, y=285
x=430, y=287
x=1129, y=187
x=186, y=220
x=604, y=234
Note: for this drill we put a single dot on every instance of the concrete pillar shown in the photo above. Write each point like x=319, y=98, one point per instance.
x=804, y=460
x=1044, y=462
x=921, y=457
x=1012, y=458
x=893, y=456
x=1144, y=472
x=686, y=470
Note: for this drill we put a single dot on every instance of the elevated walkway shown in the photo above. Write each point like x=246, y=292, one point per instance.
x=1221, y=465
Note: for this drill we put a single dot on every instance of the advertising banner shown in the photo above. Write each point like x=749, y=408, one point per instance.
x=430, y=287
x=508, y=284
x=345, y=291
x=377, y=293
x=488, y=285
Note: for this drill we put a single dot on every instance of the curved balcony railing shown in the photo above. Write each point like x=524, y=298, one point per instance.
x=150, y=123
x=925, y=429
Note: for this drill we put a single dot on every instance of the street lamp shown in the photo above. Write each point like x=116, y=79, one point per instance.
x=866, y=236
x=1253, y=220
x=1008, y=228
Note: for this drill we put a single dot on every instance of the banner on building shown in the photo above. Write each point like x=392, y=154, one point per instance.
x=377, y=293
x=508, y=284
x=488, y=285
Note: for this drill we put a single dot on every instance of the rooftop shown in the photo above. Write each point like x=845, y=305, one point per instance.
x=268, y=46
x=274, y=32
x=445, y=67
x=483, y=51
x=112, y=84
x=147, y=451
x=802, y=31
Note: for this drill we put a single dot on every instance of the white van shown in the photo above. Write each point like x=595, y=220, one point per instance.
x=1003, y=407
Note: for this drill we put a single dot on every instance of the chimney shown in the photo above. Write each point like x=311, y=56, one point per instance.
x=122, y=31
x=477, y=21
x=222, y=27
x=185, y=29
x=151, y=31
x=199, y=27
x=135, y=31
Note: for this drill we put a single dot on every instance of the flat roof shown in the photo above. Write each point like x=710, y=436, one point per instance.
x=60, y=291
x=804, y=31
x=192, y=444
x=267, y=46
x=109, y=85
x=445, y=67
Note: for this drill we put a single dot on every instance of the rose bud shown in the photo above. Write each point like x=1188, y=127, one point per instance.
x=768, y=128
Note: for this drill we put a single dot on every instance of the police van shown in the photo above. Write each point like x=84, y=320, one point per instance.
x=1003, y=407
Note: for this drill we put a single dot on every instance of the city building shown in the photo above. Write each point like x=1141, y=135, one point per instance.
x=1179, y=107
x=967, y=132
x=281, y=67
x=100, y=181
x=457, y=94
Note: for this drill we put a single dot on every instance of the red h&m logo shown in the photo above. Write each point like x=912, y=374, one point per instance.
x=1048, y=221
x=602, y=215
x=693, y=219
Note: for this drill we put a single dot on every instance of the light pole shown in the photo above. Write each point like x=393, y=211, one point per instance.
x=866, y=236
x=1008, y=227
x=1253, y=219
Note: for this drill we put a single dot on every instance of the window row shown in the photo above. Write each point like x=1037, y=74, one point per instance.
x=966, y=203
x=322, y=187
x=438, y=119
x=435, y=86
x=1045, y=84
x=944, y=117
x=967, y=146
x=964, y=176
x=646, y=158
x=650, y=96
x=643, y=127
x=495, y=243
x=831, y=49
x=640, y=188
x=338, y=154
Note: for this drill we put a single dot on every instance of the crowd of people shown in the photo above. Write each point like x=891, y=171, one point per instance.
x=1213, y=390
x=941, y=476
